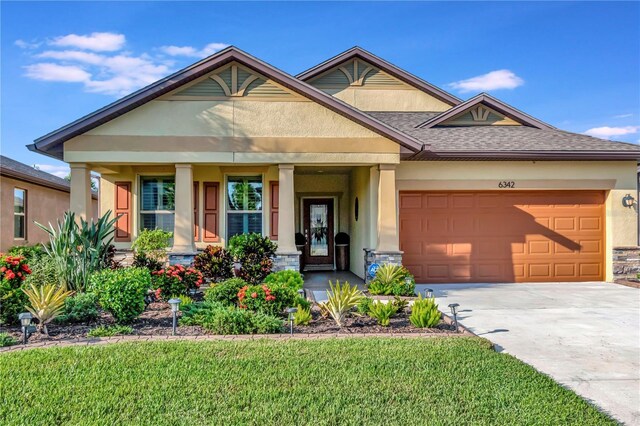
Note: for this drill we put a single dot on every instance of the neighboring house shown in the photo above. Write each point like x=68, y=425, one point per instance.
x=473, y=191
x=28, y=195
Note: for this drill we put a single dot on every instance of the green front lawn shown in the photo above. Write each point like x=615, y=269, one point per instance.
x=283, y=382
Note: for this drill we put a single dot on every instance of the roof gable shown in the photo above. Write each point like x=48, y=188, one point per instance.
x=386, y=72
x=51, y=144
x=483, y=110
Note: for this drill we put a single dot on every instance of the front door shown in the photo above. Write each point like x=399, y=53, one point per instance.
x=318, y=230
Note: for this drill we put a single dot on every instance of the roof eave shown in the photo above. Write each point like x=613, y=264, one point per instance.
x=493, y=103
x=530, y=155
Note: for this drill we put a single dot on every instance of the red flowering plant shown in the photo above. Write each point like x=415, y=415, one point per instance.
x=176, y=280
x=271, y=300
x=13, y=271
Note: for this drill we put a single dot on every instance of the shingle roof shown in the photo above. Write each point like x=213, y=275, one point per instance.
x=18, y=170
x=500, y=139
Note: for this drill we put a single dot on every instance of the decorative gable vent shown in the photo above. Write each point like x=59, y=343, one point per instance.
x=356, y=73
x=480, y=113
x=235, y=81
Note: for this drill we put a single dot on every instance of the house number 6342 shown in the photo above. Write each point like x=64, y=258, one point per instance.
x=506, y=184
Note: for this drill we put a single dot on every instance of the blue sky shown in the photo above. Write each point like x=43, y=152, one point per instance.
x=575, y=65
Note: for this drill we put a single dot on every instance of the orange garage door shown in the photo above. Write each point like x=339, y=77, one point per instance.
x=452, y=237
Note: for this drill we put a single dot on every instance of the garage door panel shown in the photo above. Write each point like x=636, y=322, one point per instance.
x=503, y=236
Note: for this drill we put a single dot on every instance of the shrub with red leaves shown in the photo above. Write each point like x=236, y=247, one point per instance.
x=13, y=271
x=176, y=280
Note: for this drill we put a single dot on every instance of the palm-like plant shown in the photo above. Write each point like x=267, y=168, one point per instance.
x=424, y=313
x=79, y=250
x=340, y=300
x=47, y=302
x=383, y=312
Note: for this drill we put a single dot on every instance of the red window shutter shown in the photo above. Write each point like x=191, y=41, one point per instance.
x=196, y=228
x=274, y=187
x=211, y=212
x=123, y=207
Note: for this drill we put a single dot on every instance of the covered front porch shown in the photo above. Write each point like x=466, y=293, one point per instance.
x=301, y=207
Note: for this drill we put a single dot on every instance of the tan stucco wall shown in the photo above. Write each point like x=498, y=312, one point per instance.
x=617, y=178
x=44, y=205
x=405, y=99
x=231, y=132
x=363, y=184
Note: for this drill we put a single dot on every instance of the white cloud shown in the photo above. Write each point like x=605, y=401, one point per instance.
x=494, y=80
x=97, y=62
x=26, y=45
x=47, y=71
x=99, y=42
x=60, y=171
x=112, y=75
x=193, y=52
x=623, y=116
x=607, y=132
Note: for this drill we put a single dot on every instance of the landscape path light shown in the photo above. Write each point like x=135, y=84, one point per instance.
x=429, y=293
x=291, y=312
x=301, y=293
x=25, y=320
x=175, y=307
x=454, y=312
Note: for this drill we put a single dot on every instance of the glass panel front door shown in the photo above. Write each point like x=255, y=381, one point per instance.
x=319, y=227
x=318, y=231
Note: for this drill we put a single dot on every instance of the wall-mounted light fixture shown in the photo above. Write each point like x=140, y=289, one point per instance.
x=628, y=201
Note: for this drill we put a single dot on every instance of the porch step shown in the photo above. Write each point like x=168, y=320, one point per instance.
x=311, y=268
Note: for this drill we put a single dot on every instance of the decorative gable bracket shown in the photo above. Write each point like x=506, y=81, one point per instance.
x=480, y=114
x=234, y=90
x=357, y=79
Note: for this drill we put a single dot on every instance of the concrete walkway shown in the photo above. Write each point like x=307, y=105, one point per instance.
x=584, y=335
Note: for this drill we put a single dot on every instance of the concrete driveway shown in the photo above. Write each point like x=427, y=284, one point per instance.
x=584, y=335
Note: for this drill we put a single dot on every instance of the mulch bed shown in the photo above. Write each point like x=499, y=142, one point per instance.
x=156, y=320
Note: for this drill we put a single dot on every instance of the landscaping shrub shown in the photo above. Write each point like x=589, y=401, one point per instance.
x=225, y=292
x=340, y=300
x=44, y=271
x=7, y=340
x=262, y=298
x=215, y=263
x=13, y=271
x=254, y=252
x=424, y=313
x=79, y=250
x=176, y=280
x=122, y=291
x=140, y=260
x=382, y=312
x=31, y=253
x=302, y=316
x=46, y=302
x=81, y=308
x=301, y=301
x=110, y=258
x=400, y=303
x=111, y=330
x=286, y=278
x=185, y=301
x=392, y=280
x=364, y=305
x=152, y=243
x=222, y=319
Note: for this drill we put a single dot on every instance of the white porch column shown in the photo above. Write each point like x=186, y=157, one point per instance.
x=387, y=230
x=286, y=211
x=80, y=198
x=183, y=225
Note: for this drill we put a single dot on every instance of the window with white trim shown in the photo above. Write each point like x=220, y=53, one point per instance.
x=157, y=202
x=244, y=205
x=19, y=213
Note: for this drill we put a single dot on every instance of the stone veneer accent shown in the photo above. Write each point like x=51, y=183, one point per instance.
x=381, y=258
x=626, y=262
x=184, y=259
x=284, y=261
